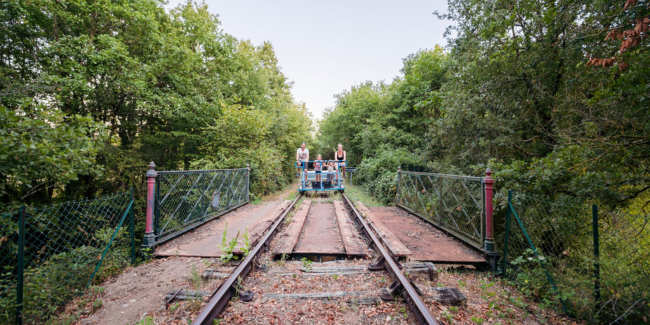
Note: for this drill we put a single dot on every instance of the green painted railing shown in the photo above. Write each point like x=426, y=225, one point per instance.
x=50, y=255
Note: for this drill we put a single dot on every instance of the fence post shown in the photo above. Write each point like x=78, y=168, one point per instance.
x=149, y=238
x=440, y=202
x=399, y=181
x=21, y=266
x=493, y=256
x=505, y=245
x=248, y=182
x=132, y=229
x=596, y=259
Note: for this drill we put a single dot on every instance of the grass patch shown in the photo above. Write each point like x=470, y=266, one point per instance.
x=288, y=192
x=357, y=193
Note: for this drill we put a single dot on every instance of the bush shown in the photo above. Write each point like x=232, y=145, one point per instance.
x=378, y=174
x=61, y=277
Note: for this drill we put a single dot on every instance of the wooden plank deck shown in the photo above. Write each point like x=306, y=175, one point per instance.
x=289, y=237
x=396, y=247
x=351, y=241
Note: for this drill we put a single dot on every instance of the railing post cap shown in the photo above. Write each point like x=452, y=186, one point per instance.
x=152, y=172
x=488, y=176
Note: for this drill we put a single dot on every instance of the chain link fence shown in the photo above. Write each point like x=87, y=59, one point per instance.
x=187, y=199
x=52, y=254
x=591, y=264
x=455, y=203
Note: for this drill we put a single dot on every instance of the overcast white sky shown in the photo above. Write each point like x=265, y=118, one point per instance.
x=325, y=47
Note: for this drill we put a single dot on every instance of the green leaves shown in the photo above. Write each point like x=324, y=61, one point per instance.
x=116, y=84
x=40, y=146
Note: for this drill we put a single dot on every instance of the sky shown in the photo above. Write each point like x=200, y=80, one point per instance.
x=326, y=47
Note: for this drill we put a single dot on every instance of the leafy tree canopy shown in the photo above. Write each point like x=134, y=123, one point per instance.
x=94, y=90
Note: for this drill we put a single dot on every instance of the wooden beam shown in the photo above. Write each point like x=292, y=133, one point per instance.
x=289, y=237
x=351, y=240
x=395, y=246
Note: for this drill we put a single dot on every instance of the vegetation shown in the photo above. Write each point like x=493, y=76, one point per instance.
x=513, y=90
x=228, y=247
x=92, y=91
x=553, y=97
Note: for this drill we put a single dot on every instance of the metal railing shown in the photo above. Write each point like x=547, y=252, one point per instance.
x=329, y=181
x=593, y=264
x=186, y=199
x=50, y=255
x=454, y=203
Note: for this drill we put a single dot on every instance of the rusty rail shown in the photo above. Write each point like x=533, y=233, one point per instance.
x=228, y=288
x=418, y=307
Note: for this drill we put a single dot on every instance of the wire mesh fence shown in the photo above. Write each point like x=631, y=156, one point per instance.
x=50, y=255
x=590, y=264
x=455, y=203
x=187, y=199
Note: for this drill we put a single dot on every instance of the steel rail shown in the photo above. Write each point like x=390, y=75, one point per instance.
x=220, y=299
x=419, y=308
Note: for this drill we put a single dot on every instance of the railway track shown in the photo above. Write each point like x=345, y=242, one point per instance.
x=345, y=276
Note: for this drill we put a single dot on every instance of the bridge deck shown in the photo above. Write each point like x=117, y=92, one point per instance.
x=320, y=234
x=204, y=241
x=425, y=241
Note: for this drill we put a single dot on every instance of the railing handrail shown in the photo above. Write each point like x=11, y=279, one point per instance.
x=303, y=166
x=472, y=178
x=195, y=171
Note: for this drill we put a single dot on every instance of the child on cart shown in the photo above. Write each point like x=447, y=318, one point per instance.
x=331, y=171
x=318, y=168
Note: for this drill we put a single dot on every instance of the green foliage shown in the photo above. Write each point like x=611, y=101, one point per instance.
x=247, y=244
x=228, y=247
x=40, y=147
x=384, y=126
x=195, y=278
x=307, y=264
x=59, y=279
x=146, y=321
x=513, y=92
x=113, y=85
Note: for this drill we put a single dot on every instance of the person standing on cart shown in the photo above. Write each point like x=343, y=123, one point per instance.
x=341, y=158
x=302, y=159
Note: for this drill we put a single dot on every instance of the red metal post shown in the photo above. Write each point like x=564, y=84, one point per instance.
x=493, y=256
x=149, y=237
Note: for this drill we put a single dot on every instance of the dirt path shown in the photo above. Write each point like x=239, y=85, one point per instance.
x=139, y=291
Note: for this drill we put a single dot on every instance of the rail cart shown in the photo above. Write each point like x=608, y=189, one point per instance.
x=333, y=183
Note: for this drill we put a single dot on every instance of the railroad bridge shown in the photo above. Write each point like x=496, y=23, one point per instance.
x=437, y=219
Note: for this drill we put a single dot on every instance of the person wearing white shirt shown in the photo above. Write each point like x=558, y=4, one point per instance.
x=302, y=157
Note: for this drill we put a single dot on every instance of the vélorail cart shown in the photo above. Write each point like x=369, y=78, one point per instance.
x=329, y=181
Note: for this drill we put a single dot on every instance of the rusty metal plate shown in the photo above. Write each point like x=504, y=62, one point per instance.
x=321, y=233
x=425, y=241
x=204, y=241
